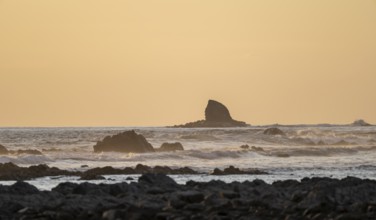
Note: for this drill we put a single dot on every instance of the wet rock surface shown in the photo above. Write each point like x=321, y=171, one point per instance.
x=156, y=196
x=127, y=142
x=216, y=115
x=170, y=147
x=231, y=170
x=274, y=131
x=10, y=171
x=4, y=150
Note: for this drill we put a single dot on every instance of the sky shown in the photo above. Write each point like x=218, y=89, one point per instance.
x=156, y=63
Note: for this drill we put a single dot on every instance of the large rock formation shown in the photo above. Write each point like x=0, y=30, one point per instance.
x=216, y=115
x=217, y=112
x=127, y=142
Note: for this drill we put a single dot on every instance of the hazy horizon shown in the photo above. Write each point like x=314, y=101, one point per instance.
x=131, y=63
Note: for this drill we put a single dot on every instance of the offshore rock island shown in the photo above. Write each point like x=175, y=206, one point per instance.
x=216, y=115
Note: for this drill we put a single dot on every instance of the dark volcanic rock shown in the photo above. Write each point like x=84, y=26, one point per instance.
x=159, y=197
x=216, y=115
x=88, y=176
x=274, y=131
x=3, y=150
x=170, y=147
x=157, y=179
x=231, y=170
x=10, y=171
x=127, y=142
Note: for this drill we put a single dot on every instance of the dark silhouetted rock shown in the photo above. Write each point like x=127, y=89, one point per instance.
x=216, y=115
x=127, y=142
x=274, y=131
x=170, y=147
x=360, y=122
x=217, y=112
x=231, y=170
x=89, y=176
x=157, y=179
x=3, y=150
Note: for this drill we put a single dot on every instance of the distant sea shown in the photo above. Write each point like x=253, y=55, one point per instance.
x=305, y=151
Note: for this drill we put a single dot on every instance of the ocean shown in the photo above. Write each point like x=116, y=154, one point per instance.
x=305, y=151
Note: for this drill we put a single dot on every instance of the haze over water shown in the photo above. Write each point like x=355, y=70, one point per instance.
x=305, y=151
x=132, y=63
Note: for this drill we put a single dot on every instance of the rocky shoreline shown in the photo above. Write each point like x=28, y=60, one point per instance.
x=10, y=171
x=157, y=196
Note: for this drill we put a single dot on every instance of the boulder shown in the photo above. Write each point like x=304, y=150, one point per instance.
x=3, y=150
x=274, y=131
x=216, y=115
x=127, y=142
x=171, y=147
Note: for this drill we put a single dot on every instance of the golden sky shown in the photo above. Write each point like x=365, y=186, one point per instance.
x=157, y=62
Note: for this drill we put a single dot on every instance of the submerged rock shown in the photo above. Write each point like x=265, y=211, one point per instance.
x=127, y=142
x=170, y=147
x=4, y=150
x=244, y=146
x=274, y=131
x=216, y=115
x=29, y=151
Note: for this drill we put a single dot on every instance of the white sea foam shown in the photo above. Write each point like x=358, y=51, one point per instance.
x=332, y=150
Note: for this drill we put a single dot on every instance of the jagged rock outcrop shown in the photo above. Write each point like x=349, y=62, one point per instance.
x=216, y=115
x=127, y=142
x=360, y=122
x=274, y=131
x=170, y=147
x=216, y=112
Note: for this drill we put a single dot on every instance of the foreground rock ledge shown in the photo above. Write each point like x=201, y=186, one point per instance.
x=157, y=196
x=216, y=115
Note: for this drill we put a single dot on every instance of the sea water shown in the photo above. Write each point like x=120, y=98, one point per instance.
x=305, y=151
